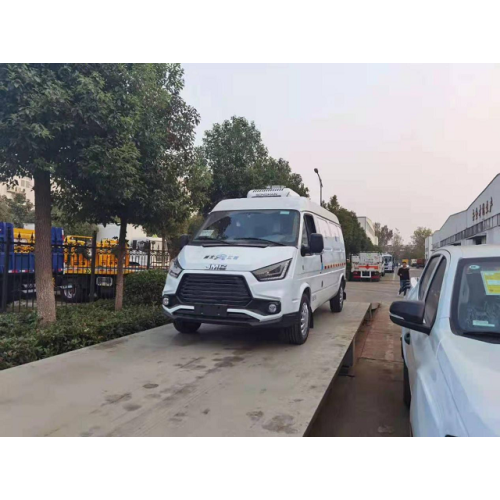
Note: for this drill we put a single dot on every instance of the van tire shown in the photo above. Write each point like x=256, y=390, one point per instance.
x=295, y=334
x=406, y=386
x=337, y=302
x=186, y=326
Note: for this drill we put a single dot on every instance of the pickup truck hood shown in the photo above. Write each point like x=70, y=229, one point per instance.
x=472, y=370
x=235, y=258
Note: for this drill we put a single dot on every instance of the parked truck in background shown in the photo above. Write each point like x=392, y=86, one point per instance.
x=388, y=263
x=72, y=258
x=367, y=265
x=420, y=263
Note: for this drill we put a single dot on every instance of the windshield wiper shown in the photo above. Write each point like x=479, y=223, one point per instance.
x=263, y=240
x=204, y=241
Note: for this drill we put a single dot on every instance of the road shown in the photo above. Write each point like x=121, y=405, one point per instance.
x=385, y=291
x=368, y=401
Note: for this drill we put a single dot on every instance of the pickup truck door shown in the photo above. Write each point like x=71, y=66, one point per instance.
x=425, y=375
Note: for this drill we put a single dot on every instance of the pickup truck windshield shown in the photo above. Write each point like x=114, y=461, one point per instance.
x=476, y=297
x=239, y=227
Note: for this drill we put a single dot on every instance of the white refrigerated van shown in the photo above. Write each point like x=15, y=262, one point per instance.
x=270, y=259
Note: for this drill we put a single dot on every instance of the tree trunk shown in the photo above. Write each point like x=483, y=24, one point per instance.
x=121, y=258
x=45, y=299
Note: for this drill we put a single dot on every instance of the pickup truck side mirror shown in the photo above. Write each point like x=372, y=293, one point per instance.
x=316, y=243
x=184, y=240
x=409, y=314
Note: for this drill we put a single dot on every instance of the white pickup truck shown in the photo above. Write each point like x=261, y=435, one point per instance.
x=367, y=265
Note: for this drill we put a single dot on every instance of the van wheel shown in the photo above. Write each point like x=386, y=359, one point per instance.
x=298, y=332
x=337, y=303
x=406, y=386
x=186, y=326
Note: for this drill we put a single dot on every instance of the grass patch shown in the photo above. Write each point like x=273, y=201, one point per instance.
x=23, y=339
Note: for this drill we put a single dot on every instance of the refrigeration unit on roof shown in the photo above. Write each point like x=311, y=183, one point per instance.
x=272, y=192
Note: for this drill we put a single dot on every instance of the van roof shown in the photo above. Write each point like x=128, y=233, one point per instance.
x=286, y=203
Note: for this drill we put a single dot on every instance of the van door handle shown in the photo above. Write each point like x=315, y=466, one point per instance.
x=407, y=338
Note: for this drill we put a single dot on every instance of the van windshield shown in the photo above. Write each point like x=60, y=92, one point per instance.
x=279, y=227
x=476, y=300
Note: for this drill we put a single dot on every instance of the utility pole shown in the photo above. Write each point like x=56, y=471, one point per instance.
x=320, y=188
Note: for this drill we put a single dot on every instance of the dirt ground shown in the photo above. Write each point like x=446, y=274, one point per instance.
x=368, y=400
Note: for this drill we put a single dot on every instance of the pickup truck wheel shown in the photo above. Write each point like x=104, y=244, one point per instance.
x=299, y=332
x=337, y=303
x=406, y=386
x=186, y=326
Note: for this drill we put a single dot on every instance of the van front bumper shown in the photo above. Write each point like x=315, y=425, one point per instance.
x=239, y=317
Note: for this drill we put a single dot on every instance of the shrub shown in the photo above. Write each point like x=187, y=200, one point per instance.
x=145, y=287
x=23, y=340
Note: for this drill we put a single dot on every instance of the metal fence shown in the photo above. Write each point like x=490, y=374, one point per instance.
x=83, y=270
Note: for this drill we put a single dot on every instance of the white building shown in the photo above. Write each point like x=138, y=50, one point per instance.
x=136, y=234
x=478, y=224
x=24, y=186
x=428, y=247
x=369, y=229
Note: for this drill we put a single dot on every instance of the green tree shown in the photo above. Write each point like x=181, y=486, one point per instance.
x=195, y=193
x=239, y=162
x=4, y=209
x=418, y=242
x=384, y=235
x=39, y=120
x=397, y=247
x=17, y=210
x=112, y=137
x=133, y=173
x=71, y=224
x=355, y=238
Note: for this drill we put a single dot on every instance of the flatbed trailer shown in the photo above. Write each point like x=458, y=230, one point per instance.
x=225, y=381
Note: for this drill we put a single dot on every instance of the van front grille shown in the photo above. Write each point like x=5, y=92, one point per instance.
x=214, y=289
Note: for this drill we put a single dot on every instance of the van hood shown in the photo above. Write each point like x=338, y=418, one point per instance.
x=235, y=258
x=472, y=370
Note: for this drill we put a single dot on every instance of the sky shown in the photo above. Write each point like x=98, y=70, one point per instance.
x=405, y=145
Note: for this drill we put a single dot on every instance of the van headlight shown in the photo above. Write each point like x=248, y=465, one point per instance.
x=273, y=272
x=175, y=269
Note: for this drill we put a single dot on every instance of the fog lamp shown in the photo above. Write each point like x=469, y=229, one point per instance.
x=272, y=308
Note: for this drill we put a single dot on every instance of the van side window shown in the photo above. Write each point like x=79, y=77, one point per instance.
x=319, y=226
x=309, y=228
x=334, y=231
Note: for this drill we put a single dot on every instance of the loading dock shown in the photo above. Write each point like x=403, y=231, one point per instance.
x=221, y=382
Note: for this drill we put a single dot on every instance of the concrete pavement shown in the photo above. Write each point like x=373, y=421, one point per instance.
x=222, y=382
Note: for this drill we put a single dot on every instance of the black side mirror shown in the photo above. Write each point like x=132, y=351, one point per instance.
x=183, y=241
x=409, y=314
x=316, y=243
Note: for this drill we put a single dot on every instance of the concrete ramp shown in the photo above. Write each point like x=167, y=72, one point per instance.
x=224, y=381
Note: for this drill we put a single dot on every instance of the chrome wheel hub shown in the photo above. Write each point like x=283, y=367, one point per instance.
x=304, y=319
